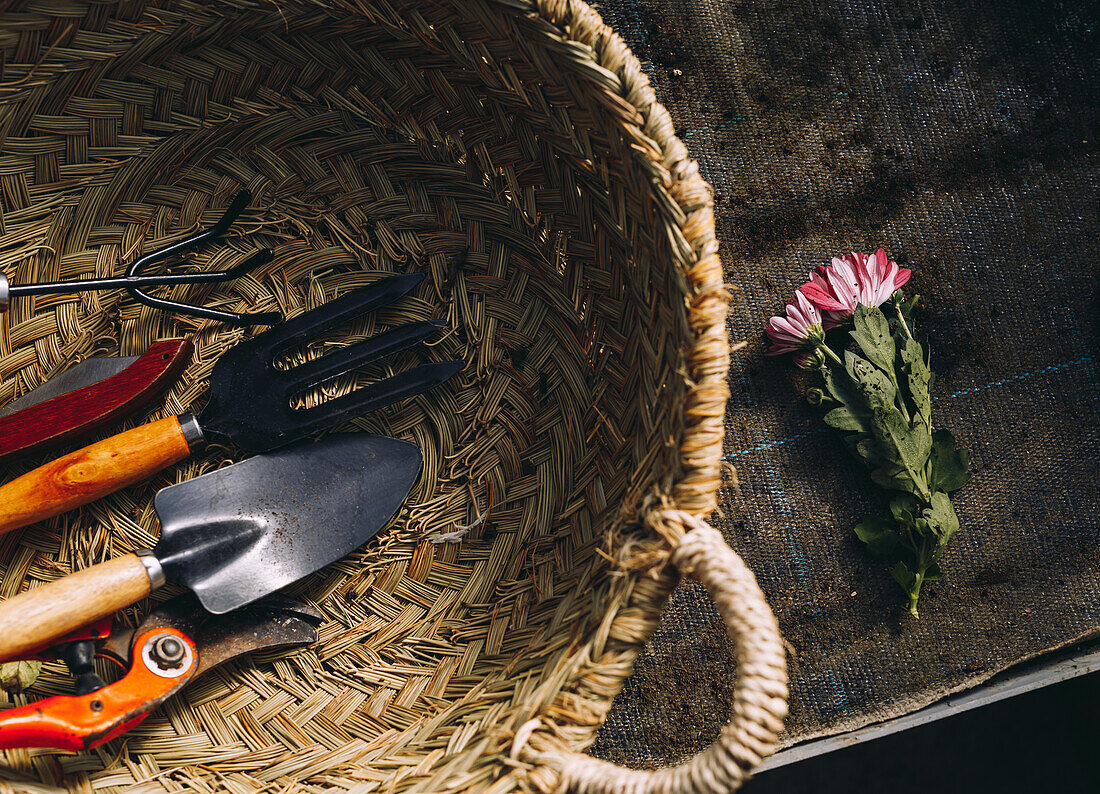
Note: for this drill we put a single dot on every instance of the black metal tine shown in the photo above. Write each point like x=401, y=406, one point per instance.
x=264, y=255
x=360, y=354
x=377, y=395
x=166, y=279
x=258, y=258
x=307, y=327
x=134, y=281
x=240, y=201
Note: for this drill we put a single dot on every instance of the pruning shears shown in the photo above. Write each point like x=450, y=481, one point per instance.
x=174, y=645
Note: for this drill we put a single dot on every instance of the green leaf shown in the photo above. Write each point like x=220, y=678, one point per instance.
x=18, y=676
x=892, y=479
x=903, y=507
x=933, y=573
x=950, y=464
x=867, y=448
x=904, y=450
x=910, y=583
x=941, y=518
x=904, y=577
x=917, y=379
x=844, y=391
x=873, y=384
x=879, y=535
x=844, y=419
x=872, y=334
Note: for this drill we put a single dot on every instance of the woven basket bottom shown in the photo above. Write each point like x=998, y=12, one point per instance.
x=427, y=648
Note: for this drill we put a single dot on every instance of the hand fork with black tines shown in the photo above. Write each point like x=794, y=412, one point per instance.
x=252, y=404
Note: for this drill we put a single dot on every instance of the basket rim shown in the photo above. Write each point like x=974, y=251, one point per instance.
x=611, y=66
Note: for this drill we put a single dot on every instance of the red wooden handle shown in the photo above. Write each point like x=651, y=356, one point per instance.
x=81, y=411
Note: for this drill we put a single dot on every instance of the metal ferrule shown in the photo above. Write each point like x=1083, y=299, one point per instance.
x=192, y=432
x=152, y=567
x=5, y=293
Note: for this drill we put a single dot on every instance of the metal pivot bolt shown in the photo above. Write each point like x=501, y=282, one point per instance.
x=167, y=655
x=168, y=652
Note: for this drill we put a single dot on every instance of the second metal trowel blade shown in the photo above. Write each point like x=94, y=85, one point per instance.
x=244, y=531
x=87, y=372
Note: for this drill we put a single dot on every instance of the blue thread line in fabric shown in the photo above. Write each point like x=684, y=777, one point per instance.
x=771, y=444
x=837, y=686
x=1033, y=373
x=961, y=393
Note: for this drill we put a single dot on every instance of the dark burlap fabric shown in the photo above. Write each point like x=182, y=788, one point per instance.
x=959, y=136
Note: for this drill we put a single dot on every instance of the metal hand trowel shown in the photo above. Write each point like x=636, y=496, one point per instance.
x=234, y=535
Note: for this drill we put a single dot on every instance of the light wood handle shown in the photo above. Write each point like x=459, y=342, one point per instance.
x=91, y=473
x=33, y=620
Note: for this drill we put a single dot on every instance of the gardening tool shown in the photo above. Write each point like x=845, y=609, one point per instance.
x=233, y=535
x=89, y=395
x=174, y=645
x=250, y=405
x=136, y=283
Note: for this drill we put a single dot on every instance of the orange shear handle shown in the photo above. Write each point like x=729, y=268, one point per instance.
x=67, y=722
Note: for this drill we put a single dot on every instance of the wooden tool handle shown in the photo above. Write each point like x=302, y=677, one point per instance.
x=91, y=473
x=68, y=415
x=34, y=619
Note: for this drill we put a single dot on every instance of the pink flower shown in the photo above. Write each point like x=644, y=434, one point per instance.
x=838, y=288
x=800, y=330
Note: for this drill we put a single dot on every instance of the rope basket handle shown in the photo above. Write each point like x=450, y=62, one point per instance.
x=759, y=696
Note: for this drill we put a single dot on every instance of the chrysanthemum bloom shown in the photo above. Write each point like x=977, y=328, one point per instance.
x=856, y=278
x=799, y=331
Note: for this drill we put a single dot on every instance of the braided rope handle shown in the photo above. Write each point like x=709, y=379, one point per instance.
x=759, y=696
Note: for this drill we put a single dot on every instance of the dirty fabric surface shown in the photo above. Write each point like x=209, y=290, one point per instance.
x=960, y=137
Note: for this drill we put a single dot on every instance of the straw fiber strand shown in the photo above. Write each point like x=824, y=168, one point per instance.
x=515, y=154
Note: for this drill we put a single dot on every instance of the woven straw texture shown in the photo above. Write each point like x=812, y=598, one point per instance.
x=961, y=136
x=512, y=151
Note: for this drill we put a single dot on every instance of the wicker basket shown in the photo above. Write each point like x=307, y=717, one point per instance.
x=514, y=152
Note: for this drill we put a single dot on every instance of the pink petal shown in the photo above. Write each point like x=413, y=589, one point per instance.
x=883, y=263
x=819, y=297
x=784, y=329
x=797, y=319
x=865, y=269
x=806, y=306
x=845, y=287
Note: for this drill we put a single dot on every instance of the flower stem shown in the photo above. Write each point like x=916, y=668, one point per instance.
x=901, y=320
x=914, y=594
x=829, y=354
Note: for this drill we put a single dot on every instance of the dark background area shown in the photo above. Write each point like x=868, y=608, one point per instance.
x=1041, y=741
x=960, y=136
